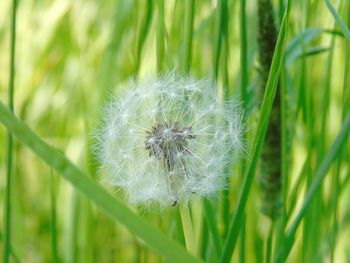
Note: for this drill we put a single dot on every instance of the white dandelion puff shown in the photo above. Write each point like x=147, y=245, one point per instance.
x=169, y=139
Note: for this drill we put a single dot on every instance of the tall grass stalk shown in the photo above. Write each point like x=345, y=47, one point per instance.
x=244, y=55
x=221, y=13
x=9, y=174
x=270, y=91
x=188, y=34
x=54, y=248
x=269, y=243
x=214, y=231
x=244, y=101
x=221, y=31
x=160, y=36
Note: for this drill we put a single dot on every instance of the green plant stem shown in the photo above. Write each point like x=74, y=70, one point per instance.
x=160, y=36
x=224, y=70
x=284, y=153
x=332, y=154
x=188, y=229
x=221, y=47
x=244, y=100
x=270, y=92
x=71, y=237
x=189, y=17
x=242, y=258
x=337, y=187
x=54, y=250
x=198, y=222
x=214, y=231
x=326, y=95
x=295, y=190
x=269, y=244
x=9, y=174
x=244, y=55
x=221, y=32
x=204, y=242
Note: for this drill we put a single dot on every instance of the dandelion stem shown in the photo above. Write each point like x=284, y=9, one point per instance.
x=188, y=229
x=7, y=234
x=198, y=222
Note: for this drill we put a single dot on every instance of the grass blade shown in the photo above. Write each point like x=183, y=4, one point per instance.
x=137, y=225
x=244, y=54
x=9, y=171
x=211, y=222
x=269, y=95
x=332, y=154
x=54, y=248
x=221, y=33
x=295, y=47
x=339, y=21
x=160, y=36
x=188, y=34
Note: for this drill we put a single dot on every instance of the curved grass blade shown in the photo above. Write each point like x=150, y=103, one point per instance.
x=333, y=153
x=316, y=50
x=137, y=225
x=270, y=92
x=339, y=21
x=295, y=47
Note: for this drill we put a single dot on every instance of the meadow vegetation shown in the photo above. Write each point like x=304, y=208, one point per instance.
x=62, y=61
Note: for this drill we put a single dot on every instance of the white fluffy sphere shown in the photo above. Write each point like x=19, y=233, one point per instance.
x=169, y=139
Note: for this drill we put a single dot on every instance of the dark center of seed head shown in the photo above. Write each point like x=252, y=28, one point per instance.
x=168, y=141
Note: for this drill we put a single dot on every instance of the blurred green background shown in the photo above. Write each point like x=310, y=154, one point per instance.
x=72, y=56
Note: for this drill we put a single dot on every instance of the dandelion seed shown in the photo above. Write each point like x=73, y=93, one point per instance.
x=168, y=140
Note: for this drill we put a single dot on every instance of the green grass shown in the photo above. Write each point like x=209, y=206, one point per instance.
x=269, y=95
x=67, y=59
x=10, y=151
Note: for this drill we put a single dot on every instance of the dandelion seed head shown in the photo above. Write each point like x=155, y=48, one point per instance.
x=169, y=139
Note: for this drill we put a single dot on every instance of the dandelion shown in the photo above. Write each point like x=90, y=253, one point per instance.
x=169, y=139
